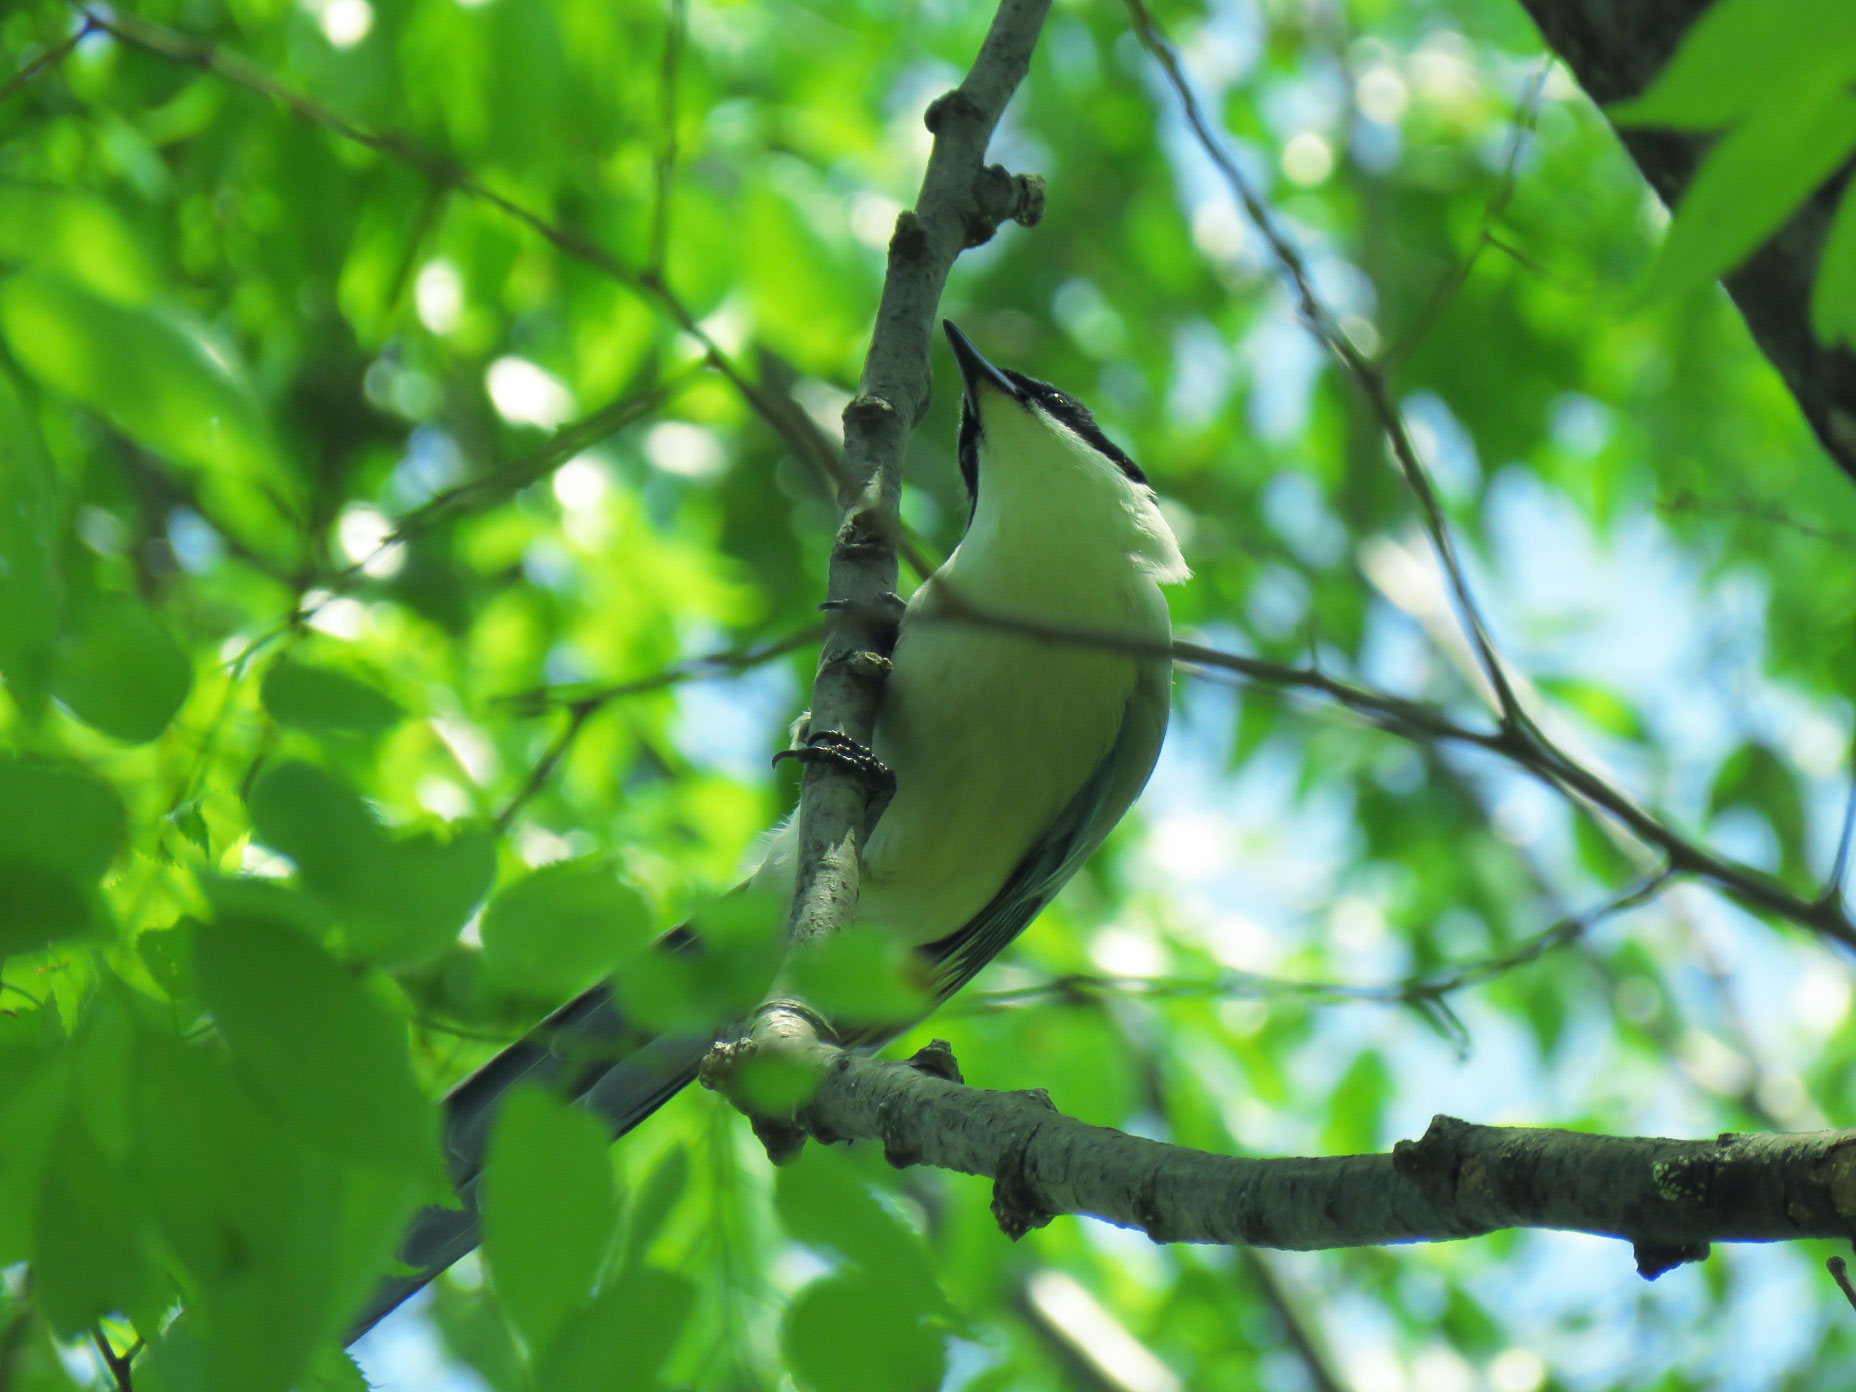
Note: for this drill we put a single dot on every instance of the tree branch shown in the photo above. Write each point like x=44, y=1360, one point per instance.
x=48, y=59
x=960, y=204
x=1668, y=1198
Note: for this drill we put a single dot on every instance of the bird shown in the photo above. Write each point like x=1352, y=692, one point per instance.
x=1005, y=747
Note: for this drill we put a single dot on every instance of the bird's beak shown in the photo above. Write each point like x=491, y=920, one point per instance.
x=975, y=371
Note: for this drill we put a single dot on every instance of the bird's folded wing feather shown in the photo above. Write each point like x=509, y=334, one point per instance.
x=1072, y=838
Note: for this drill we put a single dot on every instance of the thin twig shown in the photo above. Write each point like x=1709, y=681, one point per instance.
x=583, y=703
x=117, y=1363
x=532, y=465
x=1532, y=264
x=1840, y=863
x=1524, y=747
x=1684, y=501
x=1366, y=377
x=1840, y=1273
x=1526, y=115
x=580, y=695
x=1423, y=990
x=48, y=59
x=667, y=150
x=545, y=766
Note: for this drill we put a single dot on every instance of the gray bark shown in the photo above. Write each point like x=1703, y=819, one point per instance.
x=962, y=201
x=1668, y=1198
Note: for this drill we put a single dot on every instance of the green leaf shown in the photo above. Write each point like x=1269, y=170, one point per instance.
x=1603, y=707
x=1750, y=183
x=410, y=902
x=120, y=671
x=651, y=1206
x=276, y=1241
x=1726, y=64
x=317, y=820
x=549, y=1211
x=633, y=1324
x=401, y=900
x=32, y=1101
x=824, y=1202
x=744, y=943
x=77, y=234
x=322, y=1054
x=849, y=1333
x=1833, y=296
x=561, y=927
x=28, y=572
x=63, y=825
x=325, y=700
x=335, y=1371
x=862, y=976
x=153, y=375
x=89, y=1258
x=1756, y=777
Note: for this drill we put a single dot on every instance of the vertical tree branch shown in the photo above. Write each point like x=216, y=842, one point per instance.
x=961, y=202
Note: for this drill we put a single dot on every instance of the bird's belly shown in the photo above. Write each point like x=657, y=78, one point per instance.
x=990, y=736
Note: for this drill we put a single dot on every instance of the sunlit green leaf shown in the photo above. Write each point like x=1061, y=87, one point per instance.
x=1750, y=182
x=79, y=235
x=1725, y=66
x=151, y=374
x=1833, y=294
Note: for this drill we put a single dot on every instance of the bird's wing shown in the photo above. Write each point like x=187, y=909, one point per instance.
x=1071, y=839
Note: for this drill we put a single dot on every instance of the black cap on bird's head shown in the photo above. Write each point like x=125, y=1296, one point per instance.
x=979, y=378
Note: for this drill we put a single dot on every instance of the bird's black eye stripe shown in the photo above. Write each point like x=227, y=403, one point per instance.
x=1066, y=408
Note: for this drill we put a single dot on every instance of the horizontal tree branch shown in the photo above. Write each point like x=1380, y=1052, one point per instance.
x=1669, y=1198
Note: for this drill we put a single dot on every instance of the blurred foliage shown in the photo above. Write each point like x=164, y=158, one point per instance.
x=283, y=531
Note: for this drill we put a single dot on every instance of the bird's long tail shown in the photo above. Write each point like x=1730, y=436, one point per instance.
x=583, y=1052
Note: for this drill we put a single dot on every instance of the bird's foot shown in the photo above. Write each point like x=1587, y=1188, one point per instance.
x=888, y=603
x=830, y=747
